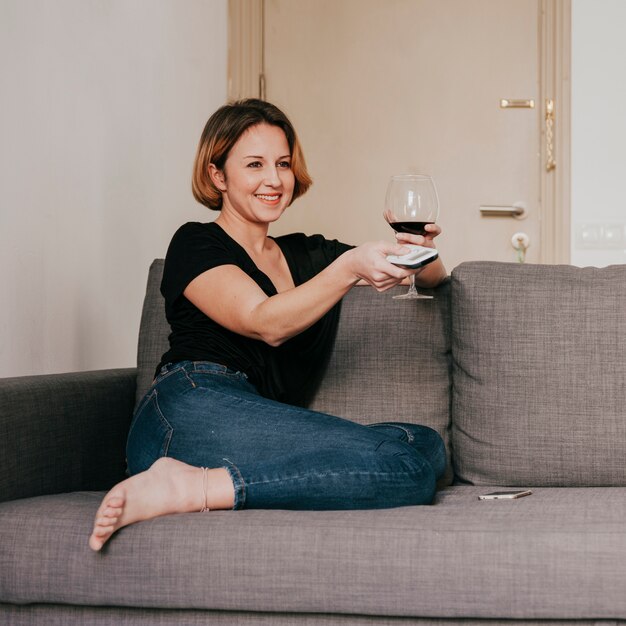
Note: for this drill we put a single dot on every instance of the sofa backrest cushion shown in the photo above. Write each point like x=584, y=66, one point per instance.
x=391, y=358
x=539, y=375
x=153, y=331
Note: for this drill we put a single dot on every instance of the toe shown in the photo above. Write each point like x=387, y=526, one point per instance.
x=115, y=502
x=106, y=521
x=95, y=543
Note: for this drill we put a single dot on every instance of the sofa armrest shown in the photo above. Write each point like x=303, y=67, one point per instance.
x=64, y=432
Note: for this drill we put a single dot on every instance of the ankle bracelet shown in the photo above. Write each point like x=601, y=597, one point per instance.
x=205, y=485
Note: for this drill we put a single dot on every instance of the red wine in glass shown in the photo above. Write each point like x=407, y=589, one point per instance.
x=414, y=228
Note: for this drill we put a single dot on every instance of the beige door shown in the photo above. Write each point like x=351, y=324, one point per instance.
x=383, y=87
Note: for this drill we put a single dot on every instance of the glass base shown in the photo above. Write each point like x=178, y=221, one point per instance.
x=412, y=295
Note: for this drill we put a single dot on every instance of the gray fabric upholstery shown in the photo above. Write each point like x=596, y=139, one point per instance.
x=59, y=615
x=373, y=375
x=391, y=360
x=538, y=557
x=153, y=331
x=539, y=395
x=63, y=432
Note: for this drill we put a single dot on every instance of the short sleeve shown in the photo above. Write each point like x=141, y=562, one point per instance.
x=309, y=255
x=194, y=249
x=330, y=249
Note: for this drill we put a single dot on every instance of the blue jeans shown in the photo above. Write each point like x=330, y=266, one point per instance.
x=280, y=456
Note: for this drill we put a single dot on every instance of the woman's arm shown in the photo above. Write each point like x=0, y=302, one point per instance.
x=230, y=297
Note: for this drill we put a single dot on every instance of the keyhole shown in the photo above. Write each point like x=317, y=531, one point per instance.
x=520, y=241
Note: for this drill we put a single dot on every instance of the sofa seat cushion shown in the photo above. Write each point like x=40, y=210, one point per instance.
x=539, y=375
x=560, y=553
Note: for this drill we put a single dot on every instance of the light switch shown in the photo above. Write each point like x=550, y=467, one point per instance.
x=600, y=235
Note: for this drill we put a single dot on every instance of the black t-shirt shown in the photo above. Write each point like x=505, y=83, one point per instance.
x=289, y=372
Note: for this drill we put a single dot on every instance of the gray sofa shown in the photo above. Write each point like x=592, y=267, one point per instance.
x=522, y=369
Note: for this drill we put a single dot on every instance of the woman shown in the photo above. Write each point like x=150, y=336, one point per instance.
x=253, y=320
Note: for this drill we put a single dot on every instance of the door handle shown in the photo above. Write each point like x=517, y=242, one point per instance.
x=518, y=211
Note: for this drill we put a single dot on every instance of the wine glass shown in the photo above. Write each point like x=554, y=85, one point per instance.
x=411, y=203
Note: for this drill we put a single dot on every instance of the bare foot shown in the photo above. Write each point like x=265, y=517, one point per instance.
x=168, y=486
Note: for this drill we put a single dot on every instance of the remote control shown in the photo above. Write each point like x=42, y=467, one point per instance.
x=417, y=257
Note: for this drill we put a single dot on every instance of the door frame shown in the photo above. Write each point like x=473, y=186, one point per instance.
x=246, y=78
x=555, y=44
x=246, y=49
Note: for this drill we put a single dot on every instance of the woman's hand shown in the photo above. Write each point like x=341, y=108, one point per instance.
x=433, y=273
x=368, y=263
x=432, y=231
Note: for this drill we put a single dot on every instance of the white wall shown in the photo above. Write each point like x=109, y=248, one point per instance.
x=102, y=103
x=598, y=132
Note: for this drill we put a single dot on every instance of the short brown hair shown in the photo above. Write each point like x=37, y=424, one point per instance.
x=224, y=129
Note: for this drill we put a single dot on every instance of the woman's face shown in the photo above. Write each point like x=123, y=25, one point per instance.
x=257, y=181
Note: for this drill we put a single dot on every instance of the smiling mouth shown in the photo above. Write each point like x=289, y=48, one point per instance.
x=271, y=198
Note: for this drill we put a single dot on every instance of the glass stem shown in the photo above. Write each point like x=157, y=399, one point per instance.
x=412, y=284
